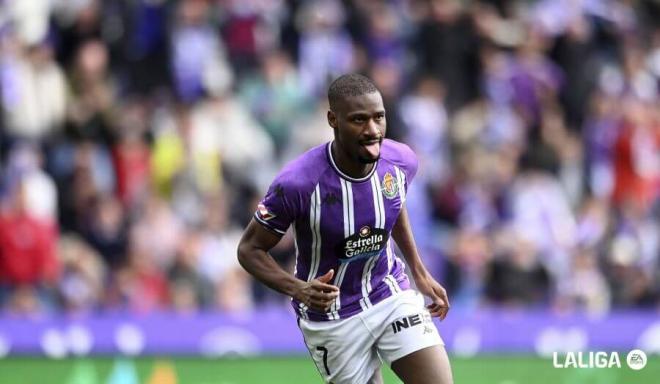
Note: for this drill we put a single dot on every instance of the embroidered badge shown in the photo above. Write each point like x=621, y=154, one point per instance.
x=390, y=186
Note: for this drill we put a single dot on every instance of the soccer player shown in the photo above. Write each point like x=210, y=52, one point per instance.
x=344, y=200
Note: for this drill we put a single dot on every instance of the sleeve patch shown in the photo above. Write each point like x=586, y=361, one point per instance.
x=264, y=213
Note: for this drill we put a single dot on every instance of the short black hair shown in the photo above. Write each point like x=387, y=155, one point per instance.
x=349, y=85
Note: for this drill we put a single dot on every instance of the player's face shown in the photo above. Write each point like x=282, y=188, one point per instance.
x=359, y=125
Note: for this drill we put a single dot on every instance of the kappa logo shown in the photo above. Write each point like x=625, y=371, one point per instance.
x=330, y=199
x=264, y=213
x=390, y=186
x=279, y=191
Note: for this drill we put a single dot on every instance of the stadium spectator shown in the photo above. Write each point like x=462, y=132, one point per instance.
x=106, y=231
x=218, y=240
x=274, y=96
x=196, y=49
x=29, y=112
x=83, y=275
x=467, y=269
x=446, y=40
x=29, y=267
x=139, y=285
x=91, y=109
x=189, y=289
x=157, y=232
x=586, y=288
x=131, y=154
x=636, y=156
x=516, y=277
x=325, y=47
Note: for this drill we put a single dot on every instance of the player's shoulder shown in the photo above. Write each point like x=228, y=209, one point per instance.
x=398, y=153
x=304, y=171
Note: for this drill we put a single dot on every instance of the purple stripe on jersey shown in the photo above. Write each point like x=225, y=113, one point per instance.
x=304, y=243
x=331, y=220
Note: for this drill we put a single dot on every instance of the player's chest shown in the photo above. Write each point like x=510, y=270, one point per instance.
x=343, y=209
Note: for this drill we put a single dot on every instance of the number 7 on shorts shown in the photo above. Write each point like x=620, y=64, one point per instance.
x=324, y=350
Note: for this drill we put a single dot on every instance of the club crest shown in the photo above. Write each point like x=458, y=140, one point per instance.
x=390, y=186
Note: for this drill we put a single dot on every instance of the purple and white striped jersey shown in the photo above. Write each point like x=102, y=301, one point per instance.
x=342, y=223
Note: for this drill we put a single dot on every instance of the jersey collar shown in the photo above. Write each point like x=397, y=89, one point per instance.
x=342, y=174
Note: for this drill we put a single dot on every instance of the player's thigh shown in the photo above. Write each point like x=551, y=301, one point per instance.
x=425, y=366
x=343, y=351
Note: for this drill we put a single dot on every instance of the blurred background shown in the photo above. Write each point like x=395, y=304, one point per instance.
x=137, y=136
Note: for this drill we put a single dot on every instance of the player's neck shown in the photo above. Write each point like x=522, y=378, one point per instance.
x=348, y=166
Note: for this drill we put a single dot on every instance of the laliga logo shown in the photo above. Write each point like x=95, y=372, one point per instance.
x=587, y=360
x=636, y=360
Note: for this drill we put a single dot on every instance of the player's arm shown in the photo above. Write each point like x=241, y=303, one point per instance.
x=426, y=284
x=254, y=257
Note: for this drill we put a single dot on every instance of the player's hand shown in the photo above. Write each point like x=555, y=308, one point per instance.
x=430, y=288
x=318, y=294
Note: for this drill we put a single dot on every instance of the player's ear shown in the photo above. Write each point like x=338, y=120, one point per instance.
x=332, y=119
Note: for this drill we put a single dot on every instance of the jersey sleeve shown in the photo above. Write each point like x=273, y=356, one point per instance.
x=408, y=164
x=279, y=208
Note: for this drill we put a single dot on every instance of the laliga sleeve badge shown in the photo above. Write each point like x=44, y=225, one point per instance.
x=389, y=186
x=264, y=213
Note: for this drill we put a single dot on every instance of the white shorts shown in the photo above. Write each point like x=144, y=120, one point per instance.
x=350, y=350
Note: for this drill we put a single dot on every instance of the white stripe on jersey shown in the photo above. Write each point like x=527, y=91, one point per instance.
x=374, y=191
x=379, y=216
x=339, y=278
x=401, y=181
x=302, y=309
x=295, y=246
x=379, y=206
x=344, y=202
x=315, y=227
x=347, y=188
x=366, y=282
x=389, y=255
x=391, y=282
x=349, y=229
x=394, y=288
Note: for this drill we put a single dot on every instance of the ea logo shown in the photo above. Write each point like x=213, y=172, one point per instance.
x=365, y=231
x=636, y=359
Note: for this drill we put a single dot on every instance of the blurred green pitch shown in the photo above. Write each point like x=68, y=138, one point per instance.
x=297, y=370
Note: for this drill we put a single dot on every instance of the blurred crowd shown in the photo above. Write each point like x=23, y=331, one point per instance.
x=137, y=136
